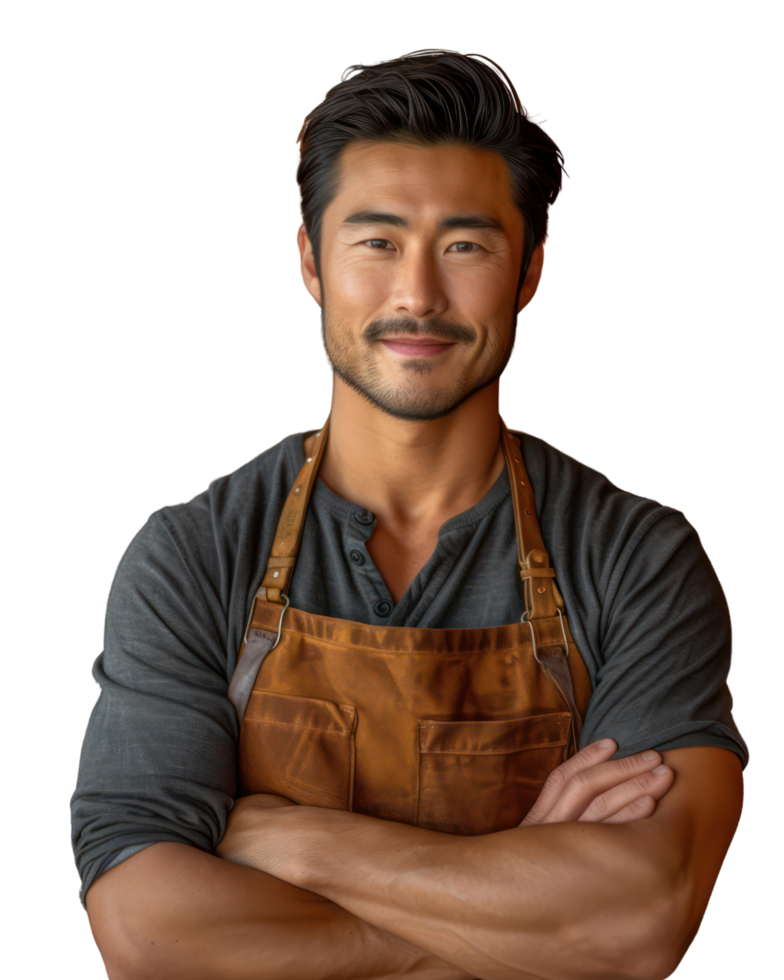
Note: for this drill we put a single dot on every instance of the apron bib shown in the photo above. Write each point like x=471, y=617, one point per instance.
x=453, y=730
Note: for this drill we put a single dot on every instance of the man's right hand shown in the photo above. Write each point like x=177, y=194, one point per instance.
x=589, y=787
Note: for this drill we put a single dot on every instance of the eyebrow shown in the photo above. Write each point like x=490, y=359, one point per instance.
x=458, y=221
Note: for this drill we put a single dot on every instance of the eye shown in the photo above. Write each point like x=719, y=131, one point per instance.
x=464, y=247
x=379, y=243
x=474, y=249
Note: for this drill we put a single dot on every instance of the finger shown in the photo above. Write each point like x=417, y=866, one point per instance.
x=590, y=755
x=654, y=783
x=550, y=793
x=566, y=797
x=638, y=810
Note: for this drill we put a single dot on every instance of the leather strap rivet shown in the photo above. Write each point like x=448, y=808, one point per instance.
x=310, y=459
x=275, y=574
x=298, y=490
x=522, y=484
x=541, y=589
x=528, y=512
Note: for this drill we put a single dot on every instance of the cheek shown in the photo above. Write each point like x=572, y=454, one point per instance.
x=362, y=285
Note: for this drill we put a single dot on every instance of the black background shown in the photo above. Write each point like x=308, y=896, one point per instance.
x=206, y=351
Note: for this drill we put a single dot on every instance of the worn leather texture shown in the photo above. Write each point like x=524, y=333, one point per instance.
x=449, y=729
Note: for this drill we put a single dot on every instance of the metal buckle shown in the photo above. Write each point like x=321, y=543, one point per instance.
x=280, y=624
x=524, y=619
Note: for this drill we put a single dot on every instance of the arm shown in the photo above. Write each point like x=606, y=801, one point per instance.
x=569, y=898
x=172, y=911
x=563, y=901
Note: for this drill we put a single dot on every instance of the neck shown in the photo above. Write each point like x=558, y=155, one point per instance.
x=412, y=474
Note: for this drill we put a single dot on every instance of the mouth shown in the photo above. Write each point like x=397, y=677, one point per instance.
x=418, y=346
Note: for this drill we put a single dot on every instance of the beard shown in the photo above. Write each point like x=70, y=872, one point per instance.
x=403, y=390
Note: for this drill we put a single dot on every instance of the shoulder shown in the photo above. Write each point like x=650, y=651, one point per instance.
x=236, y=497
x=583, y=511
x=203, y=554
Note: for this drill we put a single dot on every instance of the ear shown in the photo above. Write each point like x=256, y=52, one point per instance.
x=532, y=277
x=309, y=274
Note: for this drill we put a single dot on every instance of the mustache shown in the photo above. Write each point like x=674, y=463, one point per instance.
x=443, y=333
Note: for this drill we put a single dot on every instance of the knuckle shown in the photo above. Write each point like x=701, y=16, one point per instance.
x=556, y=779
x=580, y=780
x=646, y=779
x=598, y=807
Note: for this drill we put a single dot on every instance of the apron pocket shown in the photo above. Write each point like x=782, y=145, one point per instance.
x=300, y=748
x=477, y=777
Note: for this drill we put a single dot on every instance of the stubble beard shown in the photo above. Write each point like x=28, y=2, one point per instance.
x=405, y=403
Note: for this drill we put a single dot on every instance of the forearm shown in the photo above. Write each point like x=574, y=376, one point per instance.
x=172, y=912
x=564, y=901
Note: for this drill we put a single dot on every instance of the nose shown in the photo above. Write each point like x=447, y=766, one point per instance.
x=417, y=289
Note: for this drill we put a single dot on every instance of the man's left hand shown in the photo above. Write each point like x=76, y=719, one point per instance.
x=241, y=837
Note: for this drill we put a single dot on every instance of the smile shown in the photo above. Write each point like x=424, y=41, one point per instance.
x=418, y=346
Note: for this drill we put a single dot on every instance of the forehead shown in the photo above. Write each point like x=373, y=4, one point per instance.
x=422, y=179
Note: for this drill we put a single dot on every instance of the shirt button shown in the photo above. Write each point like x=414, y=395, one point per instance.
x=357, y=557
x=383, y=608
x=364, y=516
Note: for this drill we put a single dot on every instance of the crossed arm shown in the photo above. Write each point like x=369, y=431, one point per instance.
x=556, y=900
x=559, y=897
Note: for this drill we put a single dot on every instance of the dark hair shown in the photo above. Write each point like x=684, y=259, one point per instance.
x=429, y=96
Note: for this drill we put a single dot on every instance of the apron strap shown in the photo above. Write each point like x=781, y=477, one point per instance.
x=289, y=533
x=535, y=571
x=541, y=595
x=538, y=578
x=551, y=649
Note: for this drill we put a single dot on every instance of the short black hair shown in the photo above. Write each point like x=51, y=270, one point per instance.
x=429, y=97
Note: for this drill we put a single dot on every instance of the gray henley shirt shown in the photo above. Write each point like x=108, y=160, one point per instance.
x=159, y=758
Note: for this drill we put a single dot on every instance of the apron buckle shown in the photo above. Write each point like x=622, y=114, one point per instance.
x=524, y=619
x=280, y=621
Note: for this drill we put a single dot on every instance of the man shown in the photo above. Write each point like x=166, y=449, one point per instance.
x=430, y=612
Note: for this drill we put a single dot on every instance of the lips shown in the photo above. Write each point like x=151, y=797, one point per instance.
x=417, y=341
x=417, y=346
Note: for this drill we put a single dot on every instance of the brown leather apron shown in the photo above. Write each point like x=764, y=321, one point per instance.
x=450, y=729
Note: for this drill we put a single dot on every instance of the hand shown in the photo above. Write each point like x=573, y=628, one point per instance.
x=241, y=828
x=588, y=787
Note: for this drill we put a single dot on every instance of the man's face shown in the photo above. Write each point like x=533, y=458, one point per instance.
x=421, y=251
